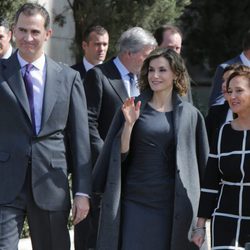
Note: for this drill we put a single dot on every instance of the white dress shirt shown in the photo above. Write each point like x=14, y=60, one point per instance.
x=124, y=75
x=38, y=75
x=244, y=59
x=87, y=65
x=8, y=53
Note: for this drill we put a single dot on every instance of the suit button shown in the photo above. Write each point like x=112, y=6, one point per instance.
x=29, y=161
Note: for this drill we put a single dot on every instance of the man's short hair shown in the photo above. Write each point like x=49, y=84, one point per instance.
x=93, y=28
x=31, y=9
x=159, y=32
x=135, y=39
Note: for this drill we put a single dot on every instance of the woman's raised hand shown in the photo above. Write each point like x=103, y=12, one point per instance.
x=131, y=111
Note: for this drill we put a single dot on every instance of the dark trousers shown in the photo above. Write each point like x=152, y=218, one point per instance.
x=82, y=234
x=85, y=232
x=48, y=229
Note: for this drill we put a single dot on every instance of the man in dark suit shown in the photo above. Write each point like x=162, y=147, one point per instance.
x=95, y=42
x=216, y=96
x=44, y=132
x=5, y=39
x=108, y=85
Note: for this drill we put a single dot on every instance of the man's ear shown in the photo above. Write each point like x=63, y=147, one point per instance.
x=84, y=45
x=9, y=34
x=48, y=34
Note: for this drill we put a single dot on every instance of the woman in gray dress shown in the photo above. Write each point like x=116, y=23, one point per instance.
x=161, y=145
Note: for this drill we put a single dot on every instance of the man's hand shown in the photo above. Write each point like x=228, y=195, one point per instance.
x=80, y=208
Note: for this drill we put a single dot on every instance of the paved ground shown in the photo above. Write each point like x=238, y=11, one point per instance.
x=25, y=244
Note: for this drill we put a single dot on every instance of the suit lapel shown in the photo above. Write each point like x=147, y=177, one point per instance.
x=115, y=81
x=238, y=59
x=82, y=72
x=120, y=89
x=81, y=69
x=13, y=76
x=53, y=80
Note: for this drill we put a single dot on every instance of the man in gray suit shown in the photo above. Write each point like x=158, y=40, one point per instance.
x=43, y=134
x=216, y=96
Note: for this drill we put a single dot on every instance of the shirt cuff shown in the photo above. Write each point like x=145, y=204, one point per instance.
x=82, y=194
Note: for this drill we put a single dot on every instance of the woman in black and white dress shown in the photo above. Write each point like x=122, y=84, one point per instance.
x=225, y=192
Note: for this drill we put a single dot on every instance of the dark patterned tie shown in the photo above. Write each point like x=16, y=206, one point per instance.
x=29, y=89
x=132, y=84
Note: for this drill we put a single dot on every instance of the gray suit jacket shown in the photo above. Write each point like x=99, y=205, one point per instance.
x=62, y=143
x=191, y=156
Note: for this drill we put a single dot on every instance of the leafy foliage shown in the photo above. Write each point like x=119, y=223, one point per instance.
x=9, y=7
x=118, y=15
x=214, y=29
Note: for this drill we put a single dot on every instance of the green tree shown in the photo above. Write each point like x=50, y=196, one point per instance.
x=8, y=8
x=214, y=29
x=118, y=15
